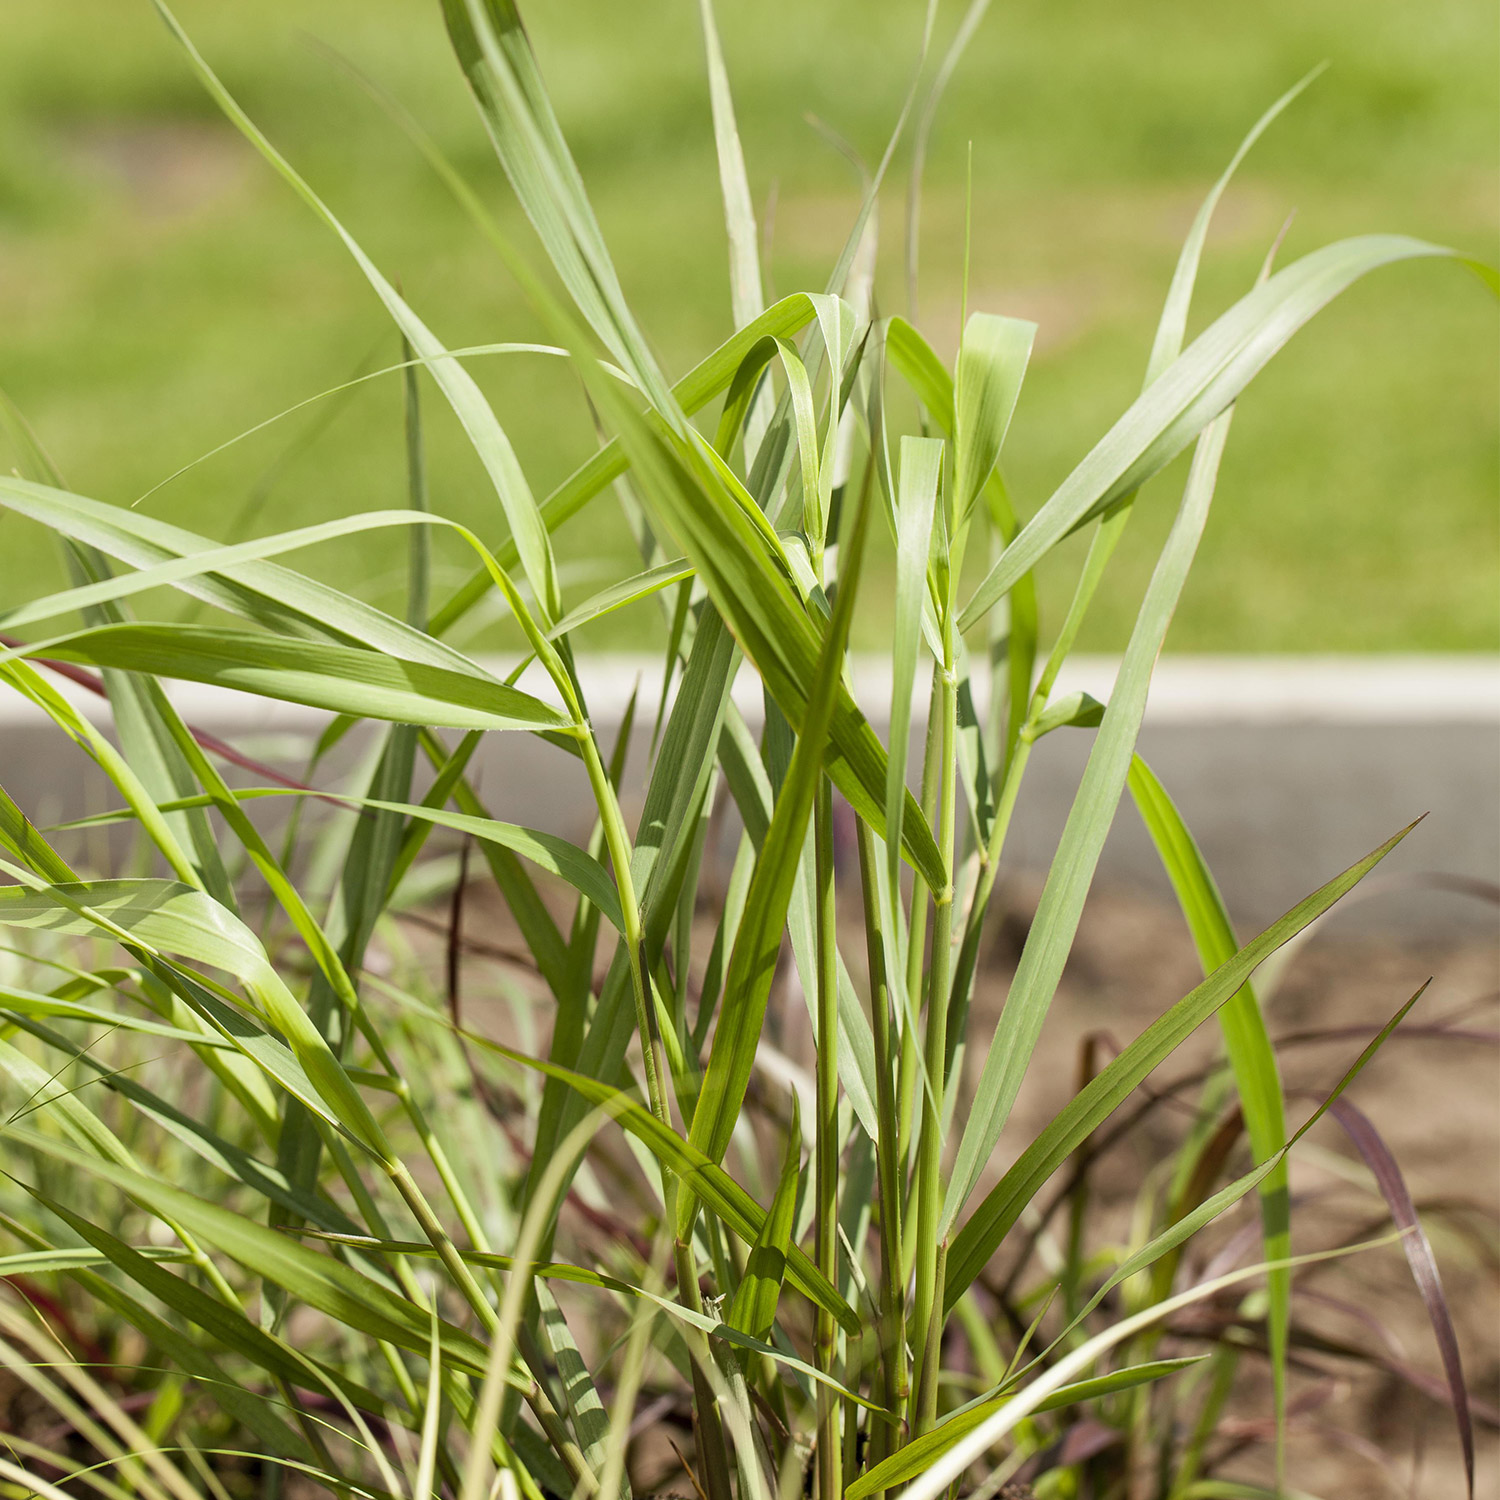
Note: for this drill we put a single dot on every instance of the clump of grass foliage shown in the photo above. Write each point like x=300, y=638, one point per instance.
x=314, y=1220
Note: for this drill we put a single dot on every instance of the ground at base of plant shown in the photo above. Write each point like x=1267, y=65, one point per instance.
x=1356, y=1428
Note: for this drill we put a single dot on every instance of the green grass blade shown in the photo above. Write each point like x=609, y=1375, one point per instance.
x=1171, y=332
x=1251, y=1055
x=992, y=359
x=1171, y=329
x=329, y=1285
x=19, y=835
x=916, y=1456
x=708, y=1181
x=167, y=916
x=70, y=515
x=15, y=1002
x=745, y=297
x=484, y=432
x=618, y=595
x=726, y=538
x=548, y=851
x=424, y=1486
x=949, y=1466
x=144, y=720
x=147, y=723
x=586, y=1411
x=988, y=1225
x=1180, y=1232
x=342, y=679
x=916, y=501
x=263, y=1179
x=263, y=592
x=753, y=1310
x=583, y=1276
x=706, y=380
x=227, y=1325
x=752, y=963
x=913, y=358
x=1078, y=850
x=1189, y=394
x=30, y=683
x=679, y=783
x=496, y=56
x=419, y=556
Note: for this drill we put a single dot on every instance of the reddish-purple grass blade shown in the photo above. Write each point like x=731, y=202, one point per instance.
x=1419, y=1257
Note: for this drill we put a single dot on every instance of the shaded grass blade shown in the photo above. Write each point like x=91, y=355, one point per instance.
x=1387, y=1174
x=716, y=1189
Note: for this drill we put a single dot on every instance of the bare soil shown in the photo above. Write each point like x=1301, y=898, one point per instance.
x=1365, y=1426
x=1367, y=1396
x=1370, y=1416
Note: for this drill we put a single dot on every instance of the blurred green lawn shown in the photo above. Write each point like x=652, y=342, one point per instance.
x=160, y=290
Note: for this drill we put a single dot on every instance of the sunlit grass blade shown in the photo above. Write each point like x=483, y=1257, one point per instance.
x=752, y=963
x=146, y=722
x=341, y=679
x=495, y=53
x=746, y=299
x=988, y=1225
x=585, y=1409
x=228, y=1157
x=958, y=1458
x=992, y=359
x=726, y=539
x=920, y=1453
x=679, y=782
x=165, y=916
x=710, y=378
x=1166, y=346
x=30, y=683
x=557, y=856
x=1082, y=841
x=228, y=1326
x=485, y=433
x=1192, y=391
x=618, y=595
x=261, y=591
x=914, y=359
x=1251, y=1056
x=425, y=1483
x=320, y=1281
x=561, y=1271
x=27, y=844
x=921, y=472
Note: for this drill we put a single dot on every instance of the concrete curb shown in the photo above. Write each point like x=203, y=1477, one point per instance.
x=1286, y=768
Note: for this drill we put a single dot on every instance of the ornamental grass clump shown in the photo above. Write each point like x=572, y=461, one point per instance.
x=279, y=1215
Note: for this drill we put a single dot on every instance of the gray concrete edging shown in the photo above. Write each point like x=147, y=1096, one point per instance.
x=1286, y=768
